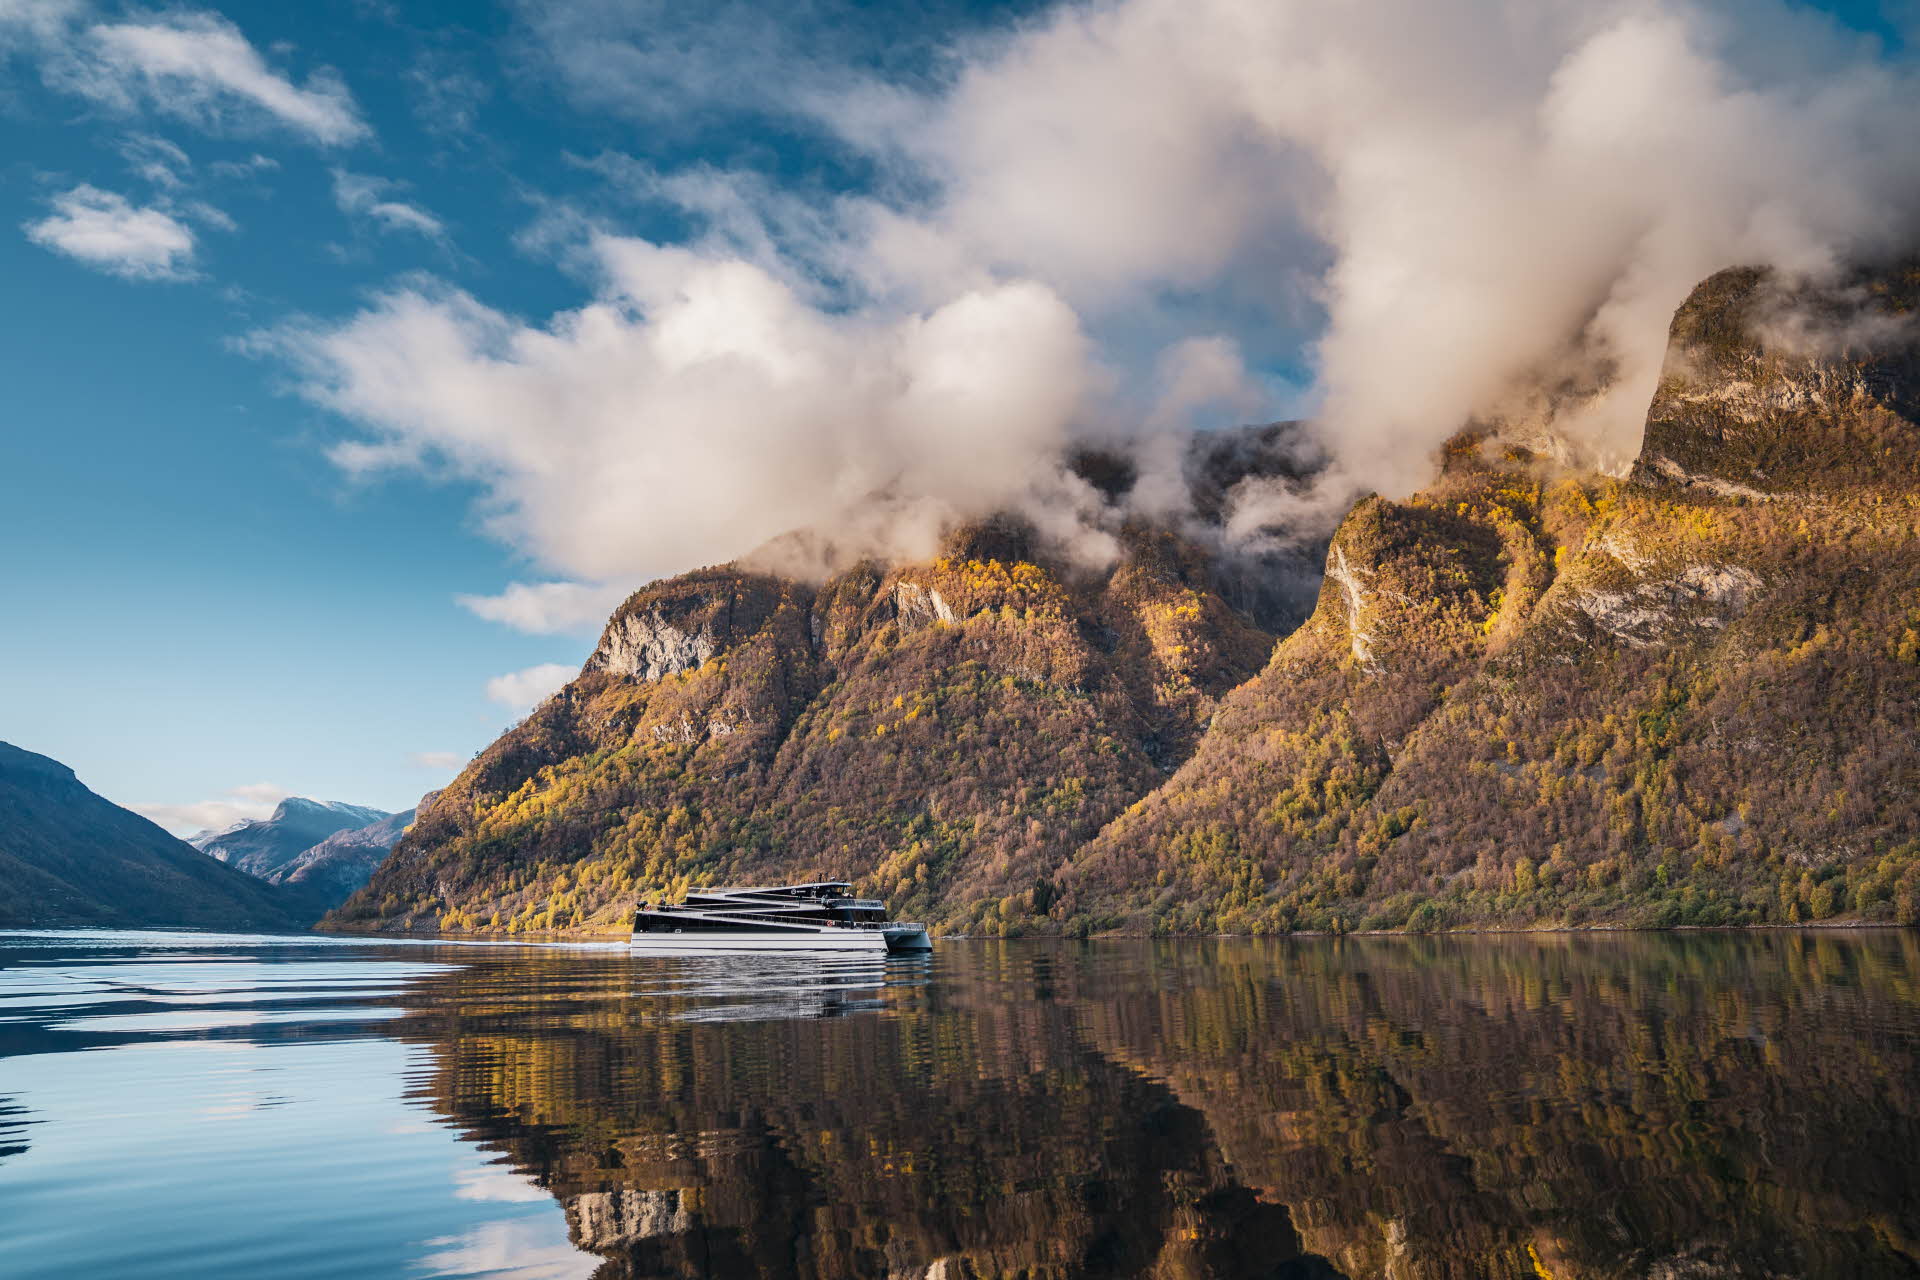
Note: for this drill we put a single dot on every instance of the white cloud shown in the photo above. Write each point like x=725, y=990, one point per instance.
x=250, y=802
x=525, y=690
x=437, y=760
x=201, y=211
x=30, y=21
x=106, y=232
x=1502, y=201
x=361, y=196
x=190, y=64
x=156, y=160
x=1465, y=204
x=252, y=166
x=548, y=608
x=447, y=97
x=702, y=407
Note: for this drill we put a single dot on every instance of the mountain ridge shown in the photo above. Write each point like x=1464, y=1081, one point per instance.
x=1522, y=697
x=264, y=847
x=330, y=871
x=69, y=857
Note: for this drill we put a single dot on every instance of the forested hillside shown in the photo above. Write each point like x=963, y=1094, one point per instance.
x=1523, y=696
x=947, y=732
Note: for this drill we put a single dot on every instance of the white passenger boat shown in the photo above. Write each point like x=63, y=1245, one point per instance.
x=821, y=916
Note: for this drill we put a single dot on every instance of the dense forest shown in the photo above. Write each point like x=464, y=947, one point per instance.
x=1521, y=697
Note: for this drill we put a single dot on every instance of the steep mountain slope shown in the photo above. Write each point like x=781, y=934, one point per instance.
x=68, y=857
x=952, y=730
x=949, y=731
x=328, y=873
x=1688, y=698
x=264, y=846
x=1523, y=696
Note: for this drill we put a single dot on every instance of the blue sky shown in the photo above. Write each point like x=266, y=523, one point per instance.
x=196, y=599
x=239, y=527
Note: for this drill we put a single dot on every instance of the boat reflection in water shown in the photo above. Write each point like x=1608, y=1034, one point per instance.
x=1621, y=1106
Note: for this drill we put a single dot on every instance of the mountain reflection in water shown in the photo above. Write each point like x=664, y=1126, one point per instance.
x=1570, y=1106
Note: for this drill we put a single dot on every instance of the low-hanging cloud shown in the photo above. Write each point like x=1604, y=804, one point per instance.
x=1125, y=217
x=701, y=406
x=252, y=802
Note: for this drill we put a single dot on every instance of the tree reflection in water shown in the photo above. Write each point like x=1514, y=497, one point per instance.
x=1610, y=1106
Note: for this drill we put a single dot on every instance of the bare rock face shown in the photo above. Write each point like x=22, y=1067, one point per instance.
x=602, y=1221
x=1351, y=581
x=649, y=645
x=683, y=624
x=1772, y=389
x=917, y=606
x=1649, y=613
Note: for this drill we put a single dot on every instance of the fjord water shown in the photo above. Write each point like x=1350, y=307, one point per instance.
x=176, y=1105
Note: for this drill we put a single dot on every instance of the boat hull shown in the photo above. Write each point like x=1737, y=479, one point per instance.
x=871, y=941
x=911, y=937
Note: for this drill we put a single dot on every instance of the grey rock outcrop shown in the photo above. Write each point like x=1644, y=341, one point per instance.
x=662, y=632
x=648, y=644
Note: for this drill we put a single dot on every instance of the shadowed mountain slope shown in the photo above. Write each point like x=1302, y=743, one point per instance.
x=69, y=857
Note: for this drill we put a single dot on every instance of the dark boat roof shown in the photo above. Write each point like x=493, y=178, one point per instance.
x=765, y=899
x=775, y=888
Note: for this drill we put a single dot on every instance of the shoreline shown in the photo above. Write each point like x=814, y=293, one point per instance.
x=548, y=936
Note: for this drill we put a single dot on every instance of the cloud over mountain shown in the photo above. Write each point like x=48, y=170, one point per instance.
x=251, y=802
x=1127, y=217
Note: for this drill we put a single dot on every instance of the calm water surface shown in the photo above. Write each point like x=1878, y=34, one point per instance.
x=206, y=1106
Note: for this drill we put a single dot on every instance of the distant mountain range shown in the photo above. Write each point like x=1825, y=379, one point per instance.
x=69, y=857
x=331, y=870
x=265, y=846
x=319, y=851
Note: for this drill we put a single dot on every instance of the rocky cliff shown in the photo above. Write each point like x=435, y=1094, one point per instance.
x=69, y=857
x=1522, y=696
